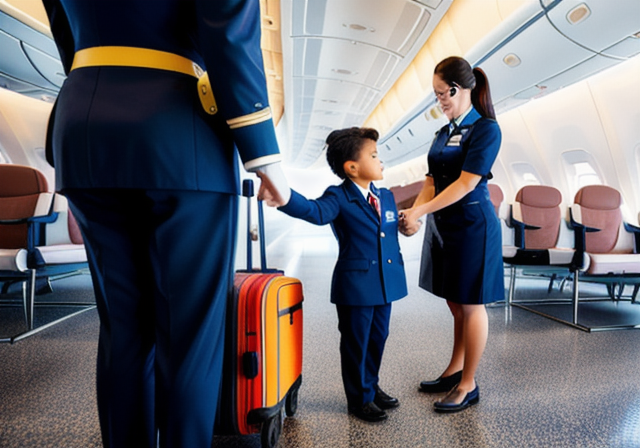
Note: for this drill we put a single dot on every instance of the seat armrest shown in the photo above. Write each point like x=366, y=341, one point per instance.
x=519, y=228
x=631, y=228
x=580, y=243
x=576, y=225
x=34, y=235
x=45, y=219
x=635, y=230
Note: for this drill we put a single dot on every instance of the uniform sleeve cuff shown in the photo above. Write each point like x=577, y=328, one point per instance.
x=254, y=164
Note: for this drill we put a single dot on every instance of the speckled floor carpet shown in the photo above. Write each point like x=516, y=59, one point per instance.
x=542, y=383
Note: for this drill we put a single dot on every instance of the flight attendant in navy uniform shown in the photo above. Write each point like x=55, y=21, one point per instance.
x=369, y=274
x=153, y=180
x=466, y=250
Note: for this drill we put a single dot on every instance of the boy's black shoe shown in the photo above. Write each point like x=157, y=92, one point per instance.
x=384, y=401
x=369, y=412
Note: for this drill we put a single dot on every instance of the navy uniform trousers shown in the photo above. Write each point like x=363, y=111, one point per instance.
x=363, y=334
x=161, y=294
x=153, y=181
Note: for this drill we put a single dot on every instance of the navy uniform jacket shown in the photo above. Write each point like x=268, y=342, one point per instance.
x=102, y=113
x=370, y=269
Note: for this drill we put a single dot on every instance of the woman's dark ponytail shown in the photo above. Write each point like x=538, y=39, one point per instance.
x=481, y=95
x=456, y=71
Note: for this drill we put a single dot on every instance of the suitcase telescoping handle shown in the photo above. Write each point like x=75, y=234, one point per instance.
x=247, y=191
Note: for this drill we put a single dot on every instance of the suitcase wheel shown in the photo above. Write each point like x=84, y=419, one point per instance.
x=271, y=430
x=291, y=402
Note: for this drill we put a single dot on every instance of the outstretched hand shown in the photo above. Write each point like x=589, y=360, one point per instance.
x=409, y=223
x=274, y=188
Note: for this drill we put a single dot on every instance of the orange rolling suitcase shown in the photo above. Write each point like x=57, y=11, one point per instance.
x=263, y=352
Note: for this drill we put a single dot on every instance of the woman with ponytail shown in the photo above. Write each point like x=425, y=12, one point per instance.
x=463, y=254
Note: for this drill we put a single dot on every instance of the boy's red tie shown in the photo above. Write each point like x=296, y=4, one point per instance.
x=373, y=200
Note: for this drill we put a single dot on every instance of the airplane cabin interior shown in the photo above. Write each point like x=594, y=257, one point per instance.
x=558, y=370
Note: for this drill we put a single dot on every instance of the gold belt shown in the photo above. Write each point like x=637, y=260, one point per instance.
x=147, y=58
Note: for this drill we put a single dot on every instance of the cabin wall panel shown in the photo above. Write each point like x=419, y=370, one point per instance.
x=616, y=94
x=599, y=116
x=518, y=146
x=501, y=177
x=464, y=24
x=568, y=120
x=443, y=41
x=23, y=125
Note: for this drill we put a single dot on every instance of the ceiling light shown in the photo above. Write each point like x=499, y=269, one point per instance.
x=578, y=14
x=358, y=27
x=512, y=60
x=268, y=22
x=436, y=112
x=343, y=71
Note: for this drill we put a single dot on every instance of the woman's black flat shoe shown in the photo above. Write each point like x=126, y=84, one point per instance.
x=453, y=403
x=442, y=384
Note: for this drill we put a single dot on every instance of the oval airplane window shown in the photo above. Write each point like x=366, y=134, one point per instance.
x=581, y=169
x=637, y=185
x=524, y=174
x=3, y=157
x=637, y=154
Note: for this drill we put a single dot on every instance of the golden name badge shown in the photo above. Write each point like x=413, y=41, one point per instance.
x=454, y=140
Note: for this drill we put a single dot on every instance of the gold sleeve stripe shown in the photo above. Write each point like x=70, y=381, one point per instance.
x=251, y=119
x=254, y=164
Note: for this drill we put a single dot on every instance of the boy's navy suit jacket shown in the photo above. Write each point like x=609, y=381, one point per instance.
x=370, y=269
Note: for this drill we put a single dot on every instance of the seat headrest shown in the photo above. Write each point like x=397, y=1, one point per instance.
x=540, y=196
x=497, y=196
x=598, y=197
x=18, y=180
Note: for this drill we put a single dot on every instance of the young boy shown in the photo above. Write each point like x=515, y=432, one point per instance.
x=369, y=273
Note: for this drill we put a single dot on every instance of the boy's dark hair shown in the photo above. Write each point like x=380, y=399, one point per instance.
x=344, y=145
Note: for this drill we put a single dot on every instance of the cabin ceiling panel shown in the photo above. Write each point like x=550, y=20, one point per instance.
x=29, y=62
x=344, y=60
x=344, y=56
x=18, y=70
x=47, y=66
x=558, y=53
x=433, y=4
x=577, y=73
x=592, y=21
x=338, y=95
x=387, y=24
x=626, y=48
